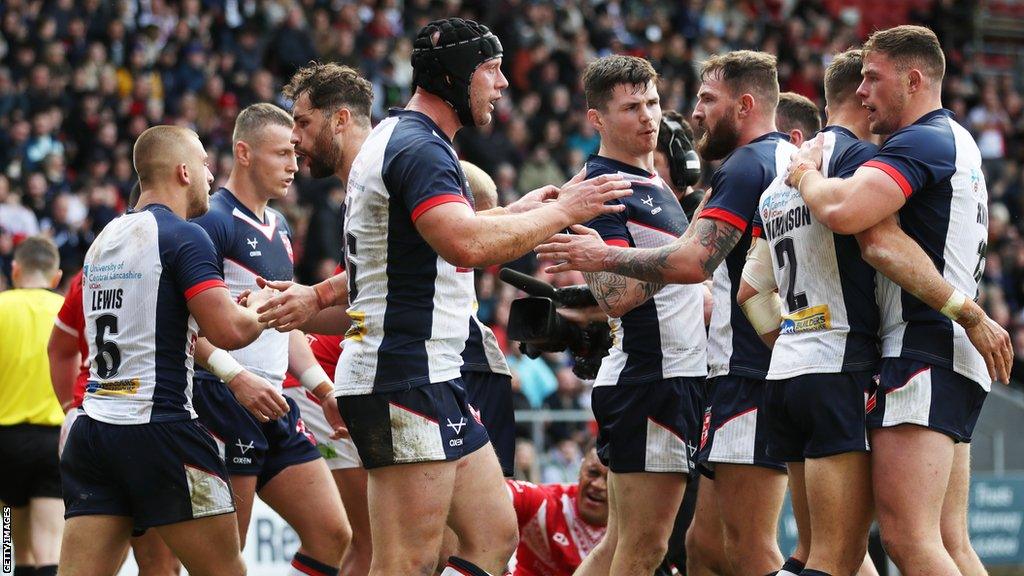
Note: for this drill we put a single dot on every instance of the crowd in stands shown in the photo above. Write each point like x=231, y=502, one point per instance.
x=81, y=79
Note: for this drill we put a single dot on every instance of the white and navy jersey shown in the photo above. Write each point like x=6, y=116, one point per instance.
x=664, y=337
x=136, y=281
x=938, y=167
x=830, y=319
x=410, y=309
x=482, y=353
x=733, y=346
x=250, y=247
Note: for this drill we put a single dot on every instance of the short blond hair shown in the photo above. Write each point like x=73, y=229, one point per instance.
x=257, y=116
x=481, y=185
x=158, y=150
x=37, y=254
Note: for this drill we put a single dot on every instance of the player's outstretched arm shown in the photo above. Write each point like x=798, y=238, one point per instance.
x=533, y=199
x=615, y=294
x=888, y=249
x=690, y=259
x=65, y=359
x=318, y=309
x=302, y=364
x=845, y=206
x=758, y=294
x=467, y=241
x=259, y=397
x=223, y=322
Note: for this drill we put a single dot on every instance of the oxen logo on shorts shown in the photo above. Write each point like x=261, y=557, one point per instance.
x=457, y=426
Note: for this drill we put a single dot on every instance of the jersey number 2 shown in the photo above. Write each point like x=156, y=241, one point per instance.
x=108, y=356
x=350, y=242
x=785, y=253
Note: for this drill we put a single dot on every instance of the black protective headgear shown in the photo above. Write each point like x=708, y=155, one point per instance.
x=683, y=161
x=446, y=68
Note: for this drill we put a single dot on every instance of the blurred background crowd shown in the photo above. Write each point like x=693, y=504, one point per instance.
x=81, y=79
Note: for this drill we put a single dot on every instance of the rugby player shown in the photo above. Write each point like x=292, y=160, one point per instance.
x=268, y=452
x=485, y=371
x=136, y=458
x=68, y=351
x=826, y=356
x=797, y=116
x=645, y=396
x=411, y=239
x=933, y=380
x=560, y=524
x=736, y=113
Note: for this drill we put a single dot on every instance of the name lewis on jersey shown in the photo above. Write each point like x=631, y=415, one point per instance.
x=107, y=299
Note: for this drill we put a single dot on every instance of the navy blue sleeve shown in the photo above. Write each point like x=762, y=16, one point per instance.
x=424, y=175
x=917, y=157
x=192, y=258
x=219, y=228
x=851, y=158
x=756, y=225
x=736, y=188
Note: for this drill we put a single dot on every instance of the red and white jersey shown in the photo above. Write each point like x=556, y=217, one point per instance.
x=71, y=319
x=553, y=539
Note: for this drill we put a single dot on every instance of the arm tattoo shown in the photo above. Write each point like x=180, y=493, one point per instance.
x=718, y=240
x=646, y=264
x=652, y=265
x=613, y=290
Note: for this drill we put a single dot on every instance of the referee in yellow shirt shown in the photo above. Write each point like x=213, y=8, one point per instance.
x=30, y=416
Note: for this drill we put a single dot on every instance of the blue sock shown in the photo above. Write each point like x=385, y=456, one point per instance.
x=809, y=572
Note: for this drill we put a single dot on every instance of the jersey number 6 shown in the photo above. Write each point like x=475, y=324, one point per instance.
x=108, y=357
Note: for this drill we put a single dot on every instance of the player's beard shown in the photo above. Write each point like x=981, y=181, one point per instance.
x=891, y=121
x=198, y=201
x=721, y=141
x=324, y=156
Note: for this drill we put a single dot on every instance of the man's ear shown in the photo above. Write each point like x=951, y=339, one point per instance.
x=181, y=173
x=746, y=103
x=796, y=137
x=243, y=153
x=915, y=80
x=594, y=117
x=55, y=279
x=342, y=118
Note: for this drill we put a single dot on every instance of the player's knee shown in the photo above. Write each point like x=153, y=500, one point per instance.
x=647, y=547
x=328, y=543
x=852, y=555
x=958, y=543
x=509, y=534
x=158, y=564
x=899, y=544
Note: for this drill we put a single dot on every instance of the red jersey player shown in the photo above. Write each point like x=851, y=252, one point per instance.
x=559, y=524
